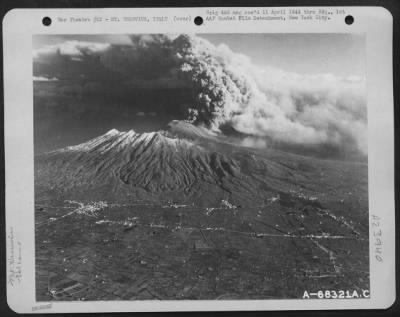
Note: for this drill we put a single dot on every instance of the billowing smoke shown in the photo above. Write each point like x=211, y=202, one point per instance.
x=287, y=108
x=267, y=104
x=256, y=142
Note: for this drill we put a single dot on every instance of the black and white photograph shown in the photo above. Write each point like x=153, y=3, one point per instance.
x=200, y=166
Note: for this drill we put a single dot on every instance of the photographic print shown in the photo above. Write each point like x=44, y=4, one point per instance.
x=200, y=166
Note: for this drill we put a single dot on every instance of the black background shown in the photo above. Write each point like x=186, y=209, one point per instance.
x=393, y=6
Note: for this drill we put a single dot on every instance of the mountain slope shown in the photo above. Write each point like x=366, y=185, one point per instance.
x=184, y=164
x=147, y=164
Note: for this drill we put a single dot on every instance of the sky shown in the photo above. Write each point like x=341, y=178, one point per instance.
x=340, y=54
x=310, y=53
x=299, y=90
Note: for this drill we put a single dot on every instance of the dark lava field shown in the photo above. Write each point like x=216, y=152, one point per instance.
x=184, y=214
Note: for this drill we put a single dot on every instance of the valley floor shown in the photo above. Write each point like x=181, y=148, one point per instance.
x=144, y=250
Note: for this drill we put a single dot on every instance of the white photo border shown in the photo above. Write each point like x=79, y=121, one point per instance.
x=19, y=25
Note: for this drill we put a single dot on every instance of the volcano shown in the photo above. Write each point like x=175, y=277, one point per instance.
x=148, y=165
x=183, y=163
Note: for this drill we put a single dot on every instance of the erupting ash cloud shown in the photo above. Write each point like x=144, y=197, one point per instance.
x=266, y=103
